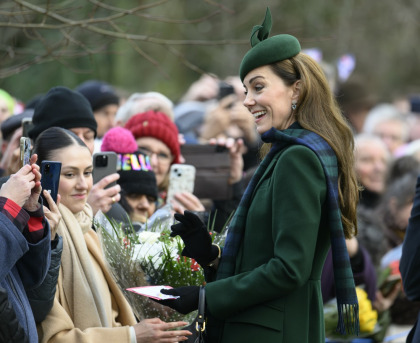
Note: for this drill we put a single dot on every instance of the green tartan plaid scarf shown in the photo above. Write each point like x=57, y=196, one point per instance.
x=345, y=289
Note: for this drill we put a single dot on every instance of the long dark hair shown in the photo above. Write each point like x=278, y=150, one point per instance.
x=53, y=139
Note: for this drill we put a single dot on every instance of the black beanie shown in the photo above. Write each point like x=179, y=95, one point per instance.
x=138, y=182
x=64, y=108
x=99, y=94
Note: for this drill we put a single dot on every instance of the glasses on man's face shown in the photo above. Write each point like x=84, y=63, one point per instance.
x=161, y=156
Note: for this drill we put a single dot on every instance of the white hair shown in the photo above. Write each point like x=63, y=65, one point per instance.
x=363, y=138
x=384, y=113
x=136, y=104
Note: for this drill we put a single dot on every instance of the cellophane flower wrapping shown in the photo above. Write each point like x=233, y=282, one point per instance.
x=150, y=257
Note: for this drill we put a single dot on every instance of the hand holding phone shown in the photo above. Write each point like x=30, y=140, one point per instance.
x=25, y=151
x=181, y=179
x=50, y=171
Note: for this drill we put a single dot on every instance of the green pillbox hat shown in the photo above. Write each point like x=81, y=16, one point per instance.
x=267, y=50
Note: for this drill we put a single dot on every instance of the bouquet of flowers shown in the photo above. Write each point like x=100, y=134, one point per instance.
x=150, y=257
x=368, y=319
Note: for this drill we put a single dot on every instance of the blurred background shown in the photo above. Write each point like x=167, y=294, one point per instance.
x=165, y=45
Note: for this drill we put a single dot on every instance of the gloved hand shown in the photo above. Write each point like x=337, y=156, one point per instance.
x=196, y=238
x=187, y=301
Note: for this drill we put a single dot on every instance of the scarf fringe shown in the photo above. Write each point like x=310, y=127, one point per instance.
x=348, y=319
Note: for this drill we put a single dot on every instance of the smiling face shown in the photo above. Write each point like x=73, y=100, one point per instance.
x=76, y=176
x=269, y=99
x=371, y=164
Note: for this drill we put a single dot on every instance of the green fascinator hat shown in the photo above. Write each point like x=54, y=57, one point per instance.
x=266, y=50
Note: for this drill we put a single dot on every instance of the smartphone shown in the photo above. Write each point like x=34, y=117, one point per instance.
x=181, y=179
x=104, y=164
x=27, y=125
x=50, y=179
x=25, y=151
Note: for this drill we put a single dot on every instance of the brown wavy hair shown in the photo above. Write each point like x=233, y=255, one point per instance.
x=317, y=111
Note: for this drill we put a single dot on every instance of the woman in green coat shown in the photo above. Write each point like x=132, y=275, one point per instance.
x=265, y=287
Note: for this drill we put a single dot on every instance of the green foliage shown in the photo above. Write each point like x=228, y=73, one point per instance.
x=151, y=257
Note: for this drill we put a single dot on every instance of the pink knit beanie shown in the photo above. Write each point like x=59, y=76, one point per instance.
x=119, y=140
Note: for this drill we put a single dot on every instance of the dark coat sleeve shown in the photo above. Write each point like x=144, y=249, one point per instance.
x=41, y=298
x=34, y=264
x=410, y=259
x=10, y=328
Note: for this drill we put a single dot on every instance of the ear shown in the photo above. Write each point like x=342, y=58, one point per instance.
x=296, y=90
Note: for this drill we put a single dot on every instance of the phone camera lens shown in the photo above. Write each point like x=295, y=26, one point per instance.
x=101, y=161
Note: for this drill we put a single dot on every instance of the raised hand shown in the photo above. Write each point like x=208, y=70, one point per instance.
x=52, y=213
x=19, y=186
x=197, y=240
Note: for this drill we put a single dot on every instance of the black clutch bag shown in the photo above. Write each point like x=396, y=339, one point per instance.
x=198, y=326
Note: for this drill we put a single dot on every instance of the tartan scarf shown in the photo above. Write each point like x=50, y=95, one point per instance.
x=347, y=303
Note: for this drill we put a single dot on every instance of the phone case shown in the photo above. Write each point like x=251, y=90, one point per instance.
x=25, y=151
x=27, y=125
x=181, y=179
x=104, y=164
x=50, y=171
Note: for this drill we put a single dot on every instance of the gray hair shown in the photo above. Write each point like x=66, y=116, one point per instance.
x=136, y=104
x=363, y=138
x=384, y=113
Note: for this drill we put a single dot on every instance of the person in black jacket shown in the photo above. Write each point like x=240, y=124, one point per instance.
x=10, y=328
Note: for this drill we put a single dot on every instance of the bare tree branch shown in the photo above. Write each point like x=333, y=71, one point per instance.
x=85, y=24
x=39, y=32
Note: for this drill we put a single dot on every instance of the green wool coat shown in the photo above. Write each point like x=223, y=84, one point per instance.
x=275, y=294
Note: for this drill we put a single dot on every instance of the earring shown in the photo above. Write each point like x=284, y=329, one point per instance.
x=293, y=106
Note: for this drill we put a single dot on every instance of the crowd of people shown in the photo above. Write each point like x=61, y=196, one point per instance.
x=323, y=184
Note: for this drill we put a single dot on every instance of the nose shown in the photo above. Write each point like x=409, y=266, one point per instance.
x=110, y=121
x=154, y=162
x=82, y=182
x=380, y=166
x=143, y=203
x=249, y=100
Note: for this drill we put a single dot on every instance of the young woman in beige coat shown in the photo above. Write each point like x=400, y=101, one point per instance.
x=88, y=306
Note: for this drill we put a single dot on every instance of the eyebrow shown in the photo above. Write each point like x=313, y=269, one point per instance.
x=254, y=78
x=75, y=168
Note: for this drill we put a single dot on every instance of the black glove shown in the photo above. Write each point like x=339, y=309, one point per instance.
x=187, y=301
x=196, y=238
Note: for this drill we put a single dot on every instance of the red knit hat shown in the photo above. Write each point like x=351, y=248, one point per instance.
x=156, y=125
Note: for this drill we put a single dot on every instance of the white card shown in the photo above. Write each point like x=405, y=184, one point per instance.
x=152, y=292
